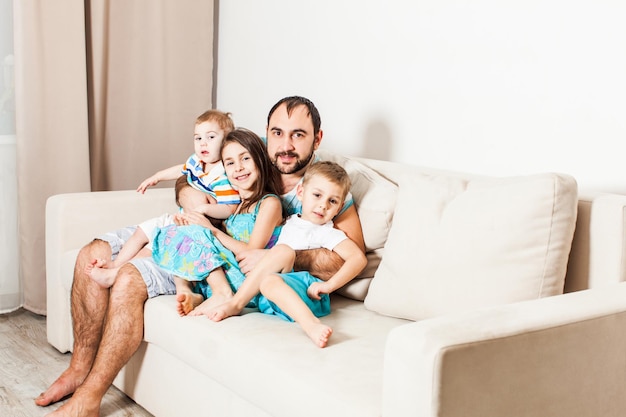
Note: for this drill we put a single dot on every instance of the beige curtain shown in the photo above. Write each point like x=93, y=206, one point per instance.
x=106, y=94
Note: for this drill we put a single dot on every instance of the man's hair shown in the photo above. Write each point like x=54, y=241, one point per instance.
x=331, y=171
x=223, y=120
x=295, y=101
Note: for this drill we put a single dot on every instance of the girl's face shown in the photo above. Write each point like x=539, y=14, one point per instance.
x=207, y=141
x=240, y=168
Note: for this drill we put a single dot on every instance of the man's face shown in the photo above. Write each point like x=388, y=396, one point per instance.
x=290, y=139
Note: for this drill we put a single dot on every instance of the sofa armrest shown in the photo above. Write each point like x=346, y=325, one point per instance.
x=556, y=356
x=73, y=220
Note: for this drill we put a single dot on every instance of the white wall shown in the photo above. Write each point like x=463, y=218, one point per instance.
x=486, y=86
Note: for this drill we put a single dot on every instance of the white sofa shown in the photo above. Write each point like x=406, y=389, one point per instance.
x=463, y=317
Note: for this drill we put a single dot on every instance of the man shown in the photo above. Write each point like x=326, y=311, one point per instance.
x=108, y=323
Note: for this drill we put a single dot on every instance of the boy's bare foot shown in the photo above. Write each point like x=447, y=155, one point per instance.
x=65, y=385
x=97, y=271
x=186, y=302
x=210, y=304
x=319, y=333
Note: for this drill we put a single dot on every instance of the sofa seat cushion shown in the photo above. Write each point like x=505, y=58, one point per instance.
x=263, y=358
x=462, y=243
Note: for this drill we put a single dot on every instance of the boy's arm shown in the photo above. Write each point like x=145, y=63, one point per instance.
x=170, y=173
x=324, y=263
x=354, y=262
x=131, y=248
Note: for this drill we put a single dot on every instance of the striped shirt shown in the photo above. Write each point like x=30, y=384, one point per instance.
x=215, y=183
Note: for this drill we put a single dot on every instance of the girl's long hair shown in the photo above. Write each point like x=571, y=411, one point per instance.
x=269, y=181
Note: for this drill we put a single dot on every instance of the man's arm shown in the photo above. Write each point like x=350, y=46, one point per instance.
x=324, y=263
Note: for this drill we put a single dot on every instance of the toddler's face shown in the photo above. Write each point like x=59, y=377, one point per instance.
x=207, y=141
x=321, y=199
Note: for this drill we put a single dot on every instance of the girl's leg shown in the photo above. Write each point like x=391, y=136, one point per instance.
x=220, y=293
x=276, y=290
x=278, y=259
x=186, y=299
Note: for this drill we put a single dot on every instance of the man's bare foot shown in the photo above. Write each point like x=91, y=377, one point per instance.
x=103, y=276
x=78, y=406
x=186, y=302
x=319, y=333
x=64, y=386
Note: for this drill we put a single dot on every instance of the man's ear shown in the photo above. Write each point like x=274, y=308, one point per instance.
x=299, y=191
x=318, y=139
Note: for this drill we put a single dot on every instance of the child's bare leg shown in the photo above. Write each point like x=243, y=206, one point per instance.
x=275, y=289
x=98, y=270
x=220, y=292
x=278, y=259
x=186, y=299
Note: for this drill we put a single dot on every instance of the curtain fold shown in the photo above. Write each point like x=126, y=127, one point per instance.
x=107, y=92
x=51, y=124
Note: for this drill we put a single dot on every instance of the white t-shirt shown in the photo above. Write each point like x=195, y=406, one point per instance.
x=300, y=234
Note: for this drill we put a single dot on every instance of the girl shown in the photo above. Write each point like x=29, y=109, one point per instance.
x=195, y=248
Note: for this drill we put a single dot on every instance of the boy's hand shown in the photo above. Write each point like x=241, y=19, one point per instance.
x=148, y=182
x=316, y=289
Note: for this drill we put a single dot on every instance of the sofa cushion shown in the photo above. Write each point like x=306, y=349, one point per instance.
x=262, y=357
x=375, y=200
x=457, y=244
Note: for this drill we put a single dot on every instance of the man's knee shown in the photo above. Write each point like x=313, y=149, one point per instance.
x=129, y=279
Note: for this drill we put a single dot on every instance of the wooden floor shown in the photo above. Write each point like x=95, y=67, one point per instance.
x=28, y=364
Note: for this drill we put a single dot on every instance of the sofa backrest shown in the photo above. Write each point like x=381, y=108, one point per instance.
x=598, y=253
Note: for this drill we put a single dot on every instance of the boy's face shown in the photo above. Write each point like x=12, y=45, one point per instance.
x=321, y=199
x=207, y=141
x=290, y=139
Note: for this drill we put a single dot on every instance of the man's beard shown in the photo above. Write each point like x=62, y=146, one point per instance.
x=300, y=163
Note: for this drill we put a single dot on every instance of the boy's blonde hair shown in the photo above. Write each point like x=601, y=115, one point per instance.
x=223, y=120
x=333, y=172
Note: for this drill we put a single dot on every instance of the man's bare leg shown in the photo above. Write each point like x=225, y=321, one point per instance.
x=278, y=259
x=89, y=303
x=275, y=289
x=122, y=334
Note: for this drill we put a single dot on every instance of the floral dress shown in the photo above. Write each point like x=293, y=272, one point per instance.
x=192, y=252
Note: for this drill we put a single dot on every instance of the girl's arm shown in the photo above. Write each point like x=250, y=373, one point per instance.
x=268, y=217
x=354, y=262
x=170, y=173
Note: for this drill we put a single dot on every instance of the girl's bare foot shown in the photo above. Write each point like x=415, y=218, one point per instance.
x=103, y=276
x=319, y=333
x=186, y=302
x=212, y=304
x=65, y=385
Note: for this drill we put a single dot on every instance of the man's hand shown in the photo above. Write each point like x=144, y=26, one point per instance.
x=249, y=258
